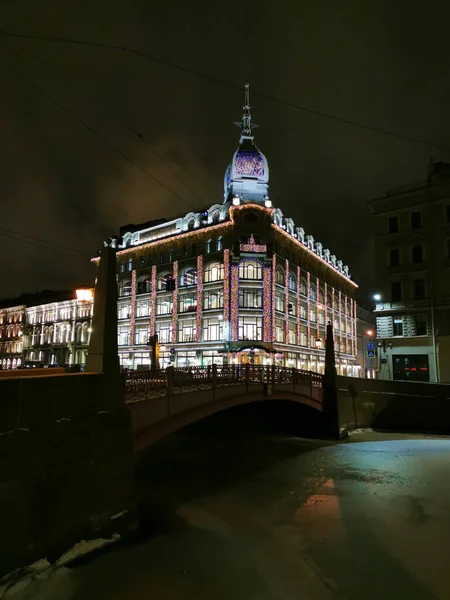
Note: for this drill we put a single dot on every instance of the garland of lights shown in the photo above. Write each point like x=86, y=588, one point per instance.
x=267, y=299
x=234, y=302
x=153, y=302
x=308, y=308
x=286, y=303
x=340, y=319
x=175, y=302
x=299, y=338
x=226, y=286
x=317, y=306
x=132, y=306
x=274, y=279
x=199, y=297
x=252, y=246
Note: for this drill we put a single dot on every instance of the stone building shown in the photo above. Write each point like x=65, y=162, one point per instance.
x=12, y=321
x=236, y=282
x=412, y=262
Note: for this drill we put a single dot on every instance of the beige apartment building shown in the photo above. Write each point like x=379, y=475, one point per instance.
x=412, y=264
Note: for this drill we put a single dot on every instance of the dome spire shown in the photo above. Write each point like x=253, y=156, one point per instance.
x=246, y=124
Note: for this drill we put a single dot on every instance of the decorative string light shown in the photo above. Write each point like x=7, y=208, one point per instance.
x=274, y=280
x=252, y=246
x=153, y=302
x=299, y=338
x=308, y=308
x=286, y=303
x=132, y=306
x=234, y=301
x=267, y=304
x=199, y=298
x=226, y=286
x=175, y=301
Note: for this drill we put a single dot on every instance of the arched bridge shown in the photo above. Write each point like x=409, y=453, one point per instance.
x=162, y=401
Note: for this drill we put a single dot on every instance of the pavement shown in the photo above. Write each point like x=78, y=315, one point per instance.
x=265, y=517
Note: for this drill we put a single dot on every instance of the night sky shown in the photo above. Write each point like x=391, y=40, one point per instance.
x=85, y=129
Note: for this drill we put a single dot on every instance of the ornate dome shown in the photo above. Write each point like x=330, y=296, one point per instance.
x=247, y=176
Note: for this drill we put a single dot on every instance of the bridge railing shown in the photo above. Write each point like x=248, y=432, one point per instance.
x=140, y=384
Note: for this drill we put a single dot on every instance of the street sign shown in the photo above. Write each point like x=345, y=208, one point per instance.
x=370, y=349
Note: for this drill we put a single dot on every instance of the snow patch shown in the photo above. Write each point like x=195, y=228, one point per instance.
x=359, y=431
x=63, y=420
x=118, y=515
x=85, y=547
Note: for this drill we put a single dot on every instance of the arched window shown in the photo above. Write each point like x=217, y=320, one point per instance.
x=125, y=288
x=216, y=217
x=171, y=255
x=321, y=295
x=219, y=245
x=191, y=225
x=144, y=285
x=161, y=258
x=194, y=249
x=329, y=298
x=184, y=252
x=292, y=282
x=149, y=260
x=188, y=277
x=161, y=282
x=78, y=333
x=208, y=246
x=250, y=269
x=279, y=277
x=213, y=272
x=312, y=292
x=130, y=264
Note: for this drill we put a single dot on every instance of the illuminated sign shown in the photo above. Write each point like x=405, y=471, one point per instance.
x=85, y=295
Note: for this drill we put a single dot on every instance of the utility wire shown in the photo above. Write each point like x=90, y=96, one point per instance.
x=16, y=235
x=216, y=80
x=93, y=131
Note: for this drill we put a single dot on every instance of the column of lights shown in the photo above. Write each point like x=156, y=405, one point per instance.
x=348, y=329
x=317, y=307
x=153, y=302
x=333, y=317
x=132, y=306
x=234, y=302
x=226, y=286
x=199, y=298
x=175, y=301
x=298, y=306
x=274, y=279
x=340, y=319
x=267, y=306
x=308, y=308
x=286, y=303
x=355, y=338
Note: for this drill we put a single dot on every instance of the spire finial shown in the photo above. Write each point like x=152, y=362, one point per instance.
x=246, y=124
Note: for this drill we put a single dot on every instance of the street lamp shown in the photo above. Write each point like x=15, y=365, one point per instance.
x=369, y=332
x=377, y=297
x=318, y=343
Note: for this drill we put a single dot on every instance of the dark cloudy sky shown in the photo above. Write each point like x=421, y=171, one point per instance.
x=381, y=63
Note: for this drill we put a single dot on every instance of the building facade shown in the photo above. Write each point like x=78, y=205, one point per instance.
x=55, y=333
x=237, y=282
x=412, y=262
x=366, y=361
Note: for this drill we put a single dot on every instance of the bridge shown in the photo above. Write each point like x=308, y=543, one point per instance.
x=163, y=401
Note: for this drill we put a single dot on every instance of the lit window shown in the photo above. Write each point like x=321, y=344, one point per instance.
x=279, y=276
x=249, y=269
x=219, y=243
x=213, y=272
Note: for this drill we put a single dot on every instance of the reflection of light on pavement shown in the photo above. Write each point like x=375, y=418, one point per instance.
x=320, y=511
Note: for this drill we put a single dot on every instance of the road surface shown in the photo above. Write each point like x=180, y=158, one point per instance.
x=242, y=517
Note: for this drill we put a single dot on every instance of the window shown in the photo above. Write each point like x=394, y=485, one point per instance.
x=124, y=311
x=164, y=331
x=216, y=217
x=123, y=335
x=292, y=282
x=292, y=339
x=419, y=289
x=212, y=330
x=302, y=311
x=249, y=298
x=130, y=264
x=250, y=328
x=164, y=306
x=292, y=308
x=194, y=249
x=312, y=292
x=279, y=330
x=144, y=286
x=161, y=282
x=122, y=267
x=219, y=245
x=188, y=303
x=187, y=331
x=393, y=224
x=208, y=246
x=142, y=308
x=416, y=219
x=303, y=286
x=279, y=303
x=188, y=277
x=171, y=255
x=141, y=334
x=124, y=289
x=421, y=326
x=396, y=291
x=250, y=269
x=213, y=272
x=394, y=257
x=184, y=252
x=212, y=300
x=279, y=277
x=161, y=258
x=417, y=253
x=398, y=326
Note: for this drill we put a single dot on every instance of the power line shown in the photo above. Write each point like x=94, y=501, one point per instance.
x=93, y=131
x=28, y=239
x=216, y=80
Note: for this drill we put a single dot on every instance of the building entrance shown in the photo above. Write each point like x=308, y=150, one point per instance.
x=411, y=367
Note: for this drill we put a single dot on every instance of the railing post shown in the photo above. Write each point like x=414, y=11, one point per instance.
x=169, y=380
x=247, y=373
x=293, y=376
x=214, y=375
x=273, y=377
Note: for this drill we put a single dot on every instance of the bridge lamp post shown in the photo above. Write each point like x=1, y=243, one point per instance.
x=318, y=343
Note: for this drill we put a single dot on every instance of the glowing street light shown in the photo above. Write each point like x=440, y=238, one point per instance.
x=377, y=297
x=318, y=343
x=370, y=332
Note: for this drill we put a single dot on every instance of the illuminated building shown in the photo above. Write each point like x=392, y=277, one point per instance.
x=48, y=333
x=412, y=264
x=234, y=283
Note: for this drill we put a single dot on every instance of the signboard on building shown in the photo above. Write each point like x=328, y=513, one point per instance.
x=370, y=349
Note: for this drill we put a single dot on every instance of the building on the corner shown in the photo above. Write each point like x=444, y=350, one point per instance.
x=51, y=333
x=236, y=282
x=412, y=262
x=366, y=361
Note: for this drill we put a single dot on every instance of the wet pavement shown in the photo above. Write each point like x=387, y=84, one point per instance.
x=243, y=516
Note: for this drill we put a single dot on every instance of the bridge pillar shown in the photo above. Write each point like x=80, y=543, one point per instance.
x=330, y=405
